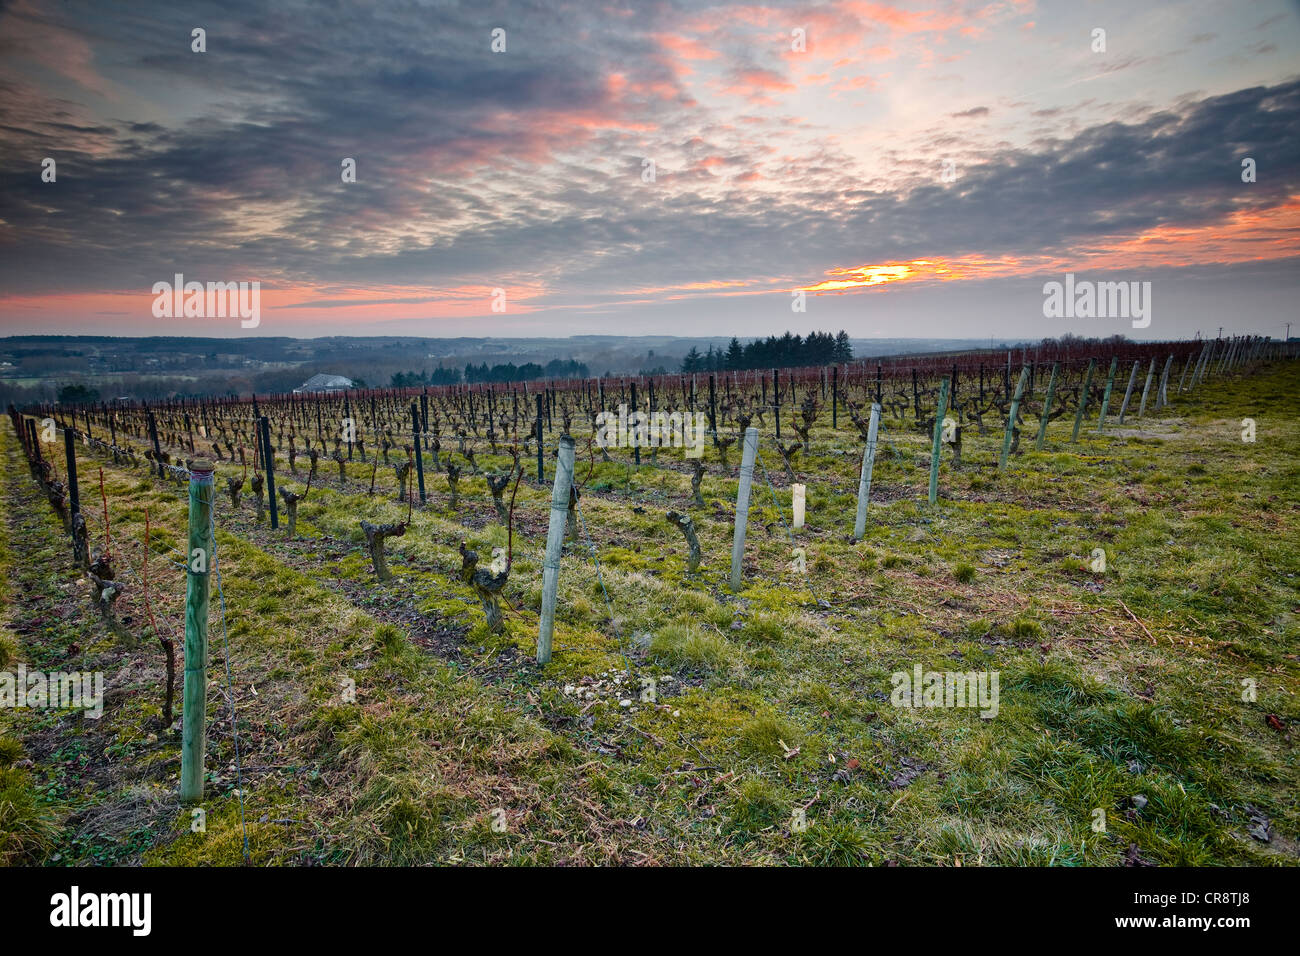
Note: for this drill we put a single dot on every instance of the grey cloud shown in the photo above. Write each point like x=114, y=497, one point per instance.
x=414, y=95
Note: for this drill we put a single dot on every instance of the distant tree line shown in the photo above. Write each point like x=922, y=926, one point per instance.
x=1070, y=340
x=508, y=372
x=78, y=395
x=786, y=351
x=439, y=376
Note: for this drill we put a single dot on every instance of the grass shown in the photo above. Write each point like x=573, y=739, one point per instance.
x=1115, y=685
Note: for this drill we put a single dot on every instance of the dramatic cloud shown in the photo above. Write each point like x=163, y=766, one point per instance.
x=666, y=167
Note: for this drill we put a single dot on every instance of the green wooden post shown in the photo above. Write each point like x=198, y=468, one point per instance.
x=1105, y=399
x=1162, y=393
x=1206, y=353
x=1146, y=389
x=1011, y=419
x=1128, y=392
x=938, y=439
x=1186, y=368
x=1047, y=409
x=199, y=564
x=1083, y=400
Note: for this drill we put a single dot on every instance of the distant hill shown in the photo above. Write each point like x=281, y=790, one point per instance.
x=34, y=367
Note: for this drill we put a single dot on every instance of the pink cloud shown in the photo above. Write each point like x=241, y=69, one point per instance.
x=685, y=47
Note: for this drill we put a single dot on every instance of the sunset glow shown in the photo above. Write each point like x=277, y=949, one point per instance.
x=693, y=168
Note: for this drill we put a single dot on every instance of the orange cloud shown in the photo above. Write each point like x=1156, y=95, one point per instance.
x=291, y=305
x=1245, y=236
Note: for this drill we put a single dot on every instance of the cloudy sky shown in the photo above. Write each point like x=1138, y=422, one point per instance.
x=917, y=170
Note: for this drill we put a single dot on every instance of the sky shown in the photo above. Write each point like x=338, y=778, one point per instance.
x=650, y=168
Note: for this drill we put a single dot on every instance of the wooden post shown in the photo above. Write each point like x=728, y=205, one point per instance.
x=835, y=396
x=74, y=494
x=1105, y=400
x=1198, y=376
x=1162, y=393
x=1146, y=389
x=1182, y=379
x=268, y=466
x=79, y=544
x=632, y=419
x=1083, y=400
x=1011, y=419
x=713, y=411
x=1128, y=392
x=938, y=439
x=195, y=700
x=540, y=470
x=34, y=441
x=776, y=402
x=1047, y=409
x=554, y=545
x=157, y=448
x=419, y=449
x=742, y=504
x=864, y=479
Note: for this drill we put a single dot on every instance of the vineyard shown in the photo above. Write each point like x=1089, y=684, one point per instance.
x=465, y=625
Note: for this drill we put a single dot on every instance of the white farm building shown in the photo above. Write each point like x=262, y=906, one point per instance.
x=324, y=383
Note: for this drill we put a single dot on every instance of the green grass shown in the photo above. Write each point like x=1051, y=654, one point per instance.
x=1114, y=684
